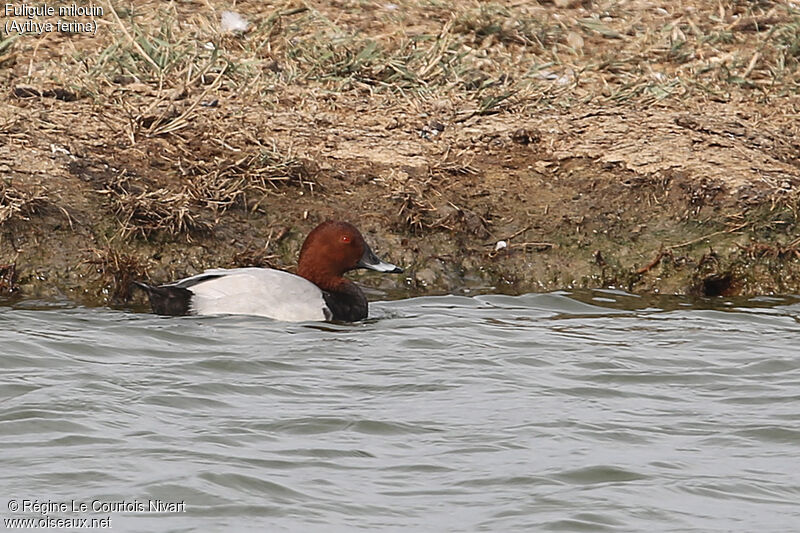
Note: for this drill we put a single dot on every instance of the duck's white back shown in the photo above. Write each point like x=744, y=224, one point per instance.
x=257, y=291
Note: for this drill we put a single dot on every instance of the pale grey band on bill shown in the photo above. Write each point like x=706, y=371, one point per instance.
x=370, y=260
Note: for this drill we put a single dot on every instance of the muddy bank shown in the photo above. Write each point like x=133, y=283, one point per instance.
x=485, y=177
x=510, y=214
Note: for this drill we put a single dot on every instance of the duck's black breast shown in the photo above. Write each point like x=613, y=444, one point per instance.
x=347, y=304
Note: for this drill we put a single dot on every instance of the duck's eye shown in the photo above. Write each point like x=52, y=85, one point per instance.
x=346, y=239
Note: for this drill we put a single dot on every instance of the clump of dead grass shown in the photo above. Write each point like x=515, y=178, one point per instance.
x=19, y=203
x=241, y=172
x=155, y=75
x=415, y=211
x=409, y=63
x=150, y=45
x=254, y=257
x=145, y=212
x=116, y=271
x=422, y=207
x=493, y=22
x=790, y=250
x=8, y=279
x=155, y=211
x=213, y=182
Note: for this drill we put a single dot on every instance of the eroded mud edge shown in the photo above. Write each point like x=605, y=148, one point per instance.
x=565, y=223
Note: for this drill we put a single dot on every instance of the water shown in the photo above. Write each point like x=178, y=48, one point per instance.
x=592, y=411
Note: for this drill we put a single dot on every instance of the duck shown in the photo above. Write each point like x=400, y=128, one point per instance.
x=318, y=292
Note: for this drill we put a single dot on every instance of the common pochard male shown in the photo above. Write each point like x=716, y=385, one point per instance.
x=318, y=291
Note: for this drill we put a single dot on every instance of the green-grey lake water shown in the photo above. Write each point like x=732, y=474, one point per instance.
x=585, y=411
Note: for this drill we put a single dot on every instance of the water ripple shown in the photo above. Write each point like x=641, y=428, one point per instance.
x=581, y=411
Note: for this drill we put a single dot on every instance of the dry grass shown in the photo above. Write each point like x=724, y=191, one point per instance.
x=220, y=181
x=210, y=184
x=156, y=68
x=159, y=210
x=18, y=203
x=159, y=66
x=115, y=271
x=775, y=251
x=220, y=121
x=8, y=279
x=254, y=257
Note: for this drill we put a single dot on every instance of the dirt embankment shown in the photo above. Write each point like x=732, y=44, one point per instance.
x=491, y=147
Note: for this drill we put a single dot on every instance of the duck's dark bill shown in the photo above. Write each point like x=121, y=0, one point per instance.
x=370, y=260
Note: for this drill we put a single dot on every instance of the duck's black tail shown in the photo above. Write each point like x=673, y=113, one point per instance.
x=167, y=299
